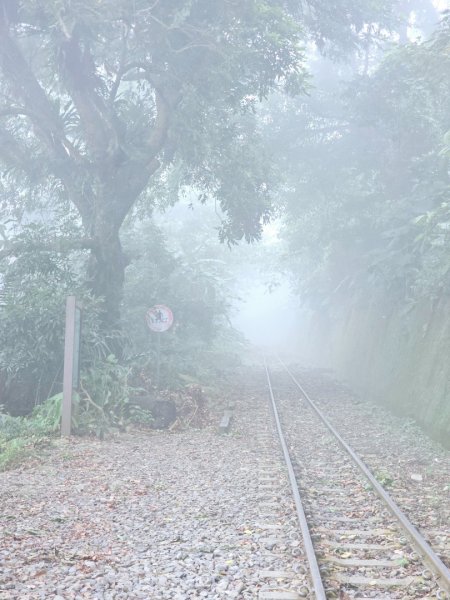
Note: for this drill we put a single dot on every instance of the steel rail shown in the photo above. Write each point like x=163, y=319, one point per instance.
x=420, y=543
x=307, y=541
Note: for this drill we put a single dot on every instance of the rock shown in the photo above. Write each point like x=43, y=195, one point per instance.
x=164, y=412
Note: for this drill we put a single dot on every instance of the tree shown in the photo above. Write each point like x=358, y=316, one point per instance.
x=369, y=227
x=367, y=192
x=106, y=104
x=100, y=101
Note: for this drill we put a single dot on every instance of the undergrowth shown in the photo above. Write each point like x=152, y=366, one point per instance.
x=107, y=402
x=104, y=404
x=20, y=437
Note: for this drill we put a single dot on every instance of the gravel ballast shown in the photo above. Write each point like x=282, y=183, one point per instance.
x=154, y=515
x=413, y=469
x=195, y=514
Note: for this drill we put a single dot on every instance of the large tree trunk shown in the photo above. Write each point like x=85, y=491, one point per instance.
x=107, y=275
x=114, y=193
x=107, y=266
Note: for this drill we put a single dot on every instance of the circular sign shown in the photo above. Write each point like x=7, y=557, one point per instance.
x=159, y=318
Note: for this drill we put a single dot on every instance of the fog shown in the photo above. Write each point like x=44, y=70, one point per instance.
x=269, y=319
x=289, y=181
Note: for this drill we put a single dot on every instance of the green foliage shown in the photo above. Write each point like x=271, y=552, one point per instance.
x=32, y=317
x=368, y=183
x=12, y=427
x=105, y=399
x=32, y=320
x=12, y=452
x=106, y=105
x=384, y=478
x=367, y=227
x=185, y=275
x=47, y=416
x=21, y=436
x=179, y=263
x=103, y=405
x=119, y=97
x=111, y=110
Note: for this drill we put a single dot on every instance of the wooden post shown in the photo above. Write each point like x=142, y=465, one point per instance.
x=69, y=356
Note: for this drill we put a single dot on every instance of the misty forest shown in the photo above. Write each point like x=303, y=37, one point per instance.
x=242, y=196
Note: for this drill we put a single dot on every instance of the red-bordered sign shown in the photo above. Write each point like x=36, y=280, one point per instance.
x=159, y=318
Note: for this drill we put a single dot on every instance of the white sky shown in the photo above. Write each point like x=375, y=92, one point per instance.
x=442, y=4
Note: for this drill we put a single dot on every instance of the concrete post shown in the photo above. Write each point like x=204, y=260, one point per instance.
x=69, y=355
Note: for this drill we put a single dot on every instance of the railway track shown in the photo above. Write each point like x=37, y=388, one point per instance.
x=357, y=541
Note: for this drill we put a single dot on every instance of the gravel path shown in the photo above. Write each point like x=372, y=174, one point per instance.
x=154, y=516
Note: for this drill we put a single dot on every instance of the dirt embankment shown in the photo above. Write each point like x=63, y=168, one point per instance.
x=397, y=358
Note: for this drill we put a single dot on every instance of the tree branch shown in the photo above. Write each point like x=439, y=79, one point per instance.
x=148, y=74
x=47, y=123
x=70, y=149
x=46, y=120
x=125, y=69
x=79, y=73
x=159, y=133
x=133, y=176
